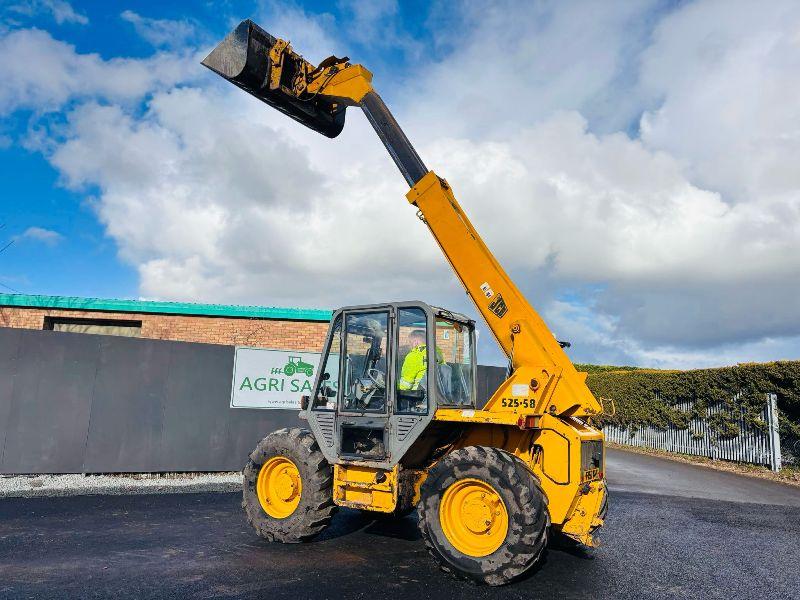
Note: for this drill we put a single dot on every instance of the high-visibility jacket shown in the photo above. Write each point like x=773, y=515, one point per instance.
x=415, y=367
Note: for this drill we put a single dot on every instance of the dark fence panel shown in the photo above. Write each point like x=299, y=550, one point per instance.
x=72, y=403
x=51, y=399
x=200, y=430
x=487, y=380
x=126, y=424
x=78, y=403
x=9, y=348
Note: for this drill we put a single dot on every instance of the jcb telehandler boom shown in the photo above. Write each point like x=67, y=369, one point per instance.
x=393, y=419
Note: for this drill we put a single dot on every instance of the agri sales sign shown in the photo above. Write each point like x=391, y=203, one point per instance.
x=272, y=378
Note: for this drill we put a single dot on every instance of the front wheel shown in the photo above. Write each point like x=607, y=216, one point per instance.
x=483, y=515
x=288, y=487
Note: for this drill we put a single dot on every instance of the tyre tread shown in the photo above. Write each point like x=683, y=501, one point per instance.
x=528, y=523
x=316, y=505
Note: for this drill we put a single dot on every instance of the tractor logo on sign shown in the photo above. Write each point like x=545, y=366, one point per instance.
x=296, y=365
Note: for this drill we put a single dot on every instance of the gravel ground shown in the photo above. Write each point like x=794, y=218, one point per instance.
x=33, y=486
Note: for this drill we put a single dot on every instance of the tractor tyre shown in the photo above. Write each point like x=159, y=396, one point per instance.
x=405, y=494
x=483, y=515
x=288, y=370
x=288, y=487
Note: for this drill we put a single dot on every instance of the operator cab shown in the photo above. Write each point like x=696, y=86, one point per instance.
x=385, y=370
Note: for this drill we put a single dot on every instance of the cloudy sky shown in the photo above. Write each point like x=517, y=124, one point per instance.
x=634, y=165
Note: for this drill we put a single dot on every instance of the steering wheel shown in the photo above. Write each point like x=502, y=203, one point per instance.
x=376, y=377
x=365, y=388
x=362, y=391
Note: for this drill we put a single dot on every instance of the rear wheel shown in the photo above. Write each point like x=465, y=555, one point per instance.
x=483, y=515
x=287, y=493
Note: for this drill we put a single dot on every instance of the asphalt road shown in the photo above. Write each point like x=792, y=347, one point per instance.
x=199, y=546
x=633, y=472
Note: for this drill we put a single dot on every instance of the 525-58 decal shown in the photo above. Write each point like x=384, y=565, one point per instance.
x=517, y=403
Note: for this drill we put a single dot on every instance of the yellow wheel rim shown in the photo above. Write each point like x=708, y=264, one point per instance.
x=279, y=487
x=473, y=517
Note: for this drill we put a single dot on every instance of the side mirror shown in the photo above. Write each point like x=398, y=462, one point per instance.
x=326, y=376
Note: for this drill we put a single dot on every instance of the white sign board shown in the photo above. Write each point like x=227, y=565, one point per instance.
x=272, y=378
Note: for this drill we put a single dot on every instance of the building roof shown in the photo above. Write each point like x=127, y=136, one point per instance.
x=164, y=308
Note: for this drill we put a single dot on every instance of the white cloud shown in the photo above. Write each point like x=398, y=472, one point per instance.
x=376, y=24
x=680, y=247
x=237, y=207
x=60, y=10
x=727, y=76
x=40, y=234
x=597, y=339
x=365, y=31
x=676, y=264
x=311, y=35
x=162, y=32
x=41, y=73
x=513, y=64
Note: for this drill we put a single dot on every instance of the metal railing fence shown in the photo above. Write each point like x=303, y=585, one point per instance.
x=756, y=445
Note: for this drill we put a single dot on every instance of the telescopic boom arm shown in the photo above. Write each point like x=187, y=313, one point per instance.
x=542, y=373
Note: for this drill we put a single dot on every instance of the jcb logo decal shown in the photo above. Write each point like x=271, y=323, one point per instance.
x=498, y=306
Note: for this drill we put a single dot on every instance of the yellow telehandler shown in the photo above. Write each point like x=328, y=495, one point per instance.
x=394, y=421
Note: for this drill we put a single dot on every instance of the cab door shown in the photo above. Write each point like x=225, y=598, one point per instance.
x=362, y=411
x=412, y=406
x=365, y=386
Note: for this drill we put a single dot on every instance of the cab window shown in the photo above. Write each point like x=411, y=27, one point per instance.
x=327, y=393
x=412, y=361
x=365, y=362
x=454, y=352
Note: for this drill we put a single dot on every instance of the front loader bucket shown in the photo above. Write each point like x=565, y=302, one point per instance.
x=243, y=59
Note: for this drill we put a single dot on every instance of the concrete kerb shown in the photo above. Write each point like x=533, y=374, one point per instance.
x=38, y=486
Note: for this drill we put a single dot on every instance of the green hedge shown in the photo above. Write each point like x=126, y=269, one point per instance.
x=648, y=397
x=603, y=368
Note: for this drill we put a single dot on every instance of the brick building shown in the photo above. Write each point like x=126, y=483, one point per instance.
x=106, y=404
x=258, y=326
